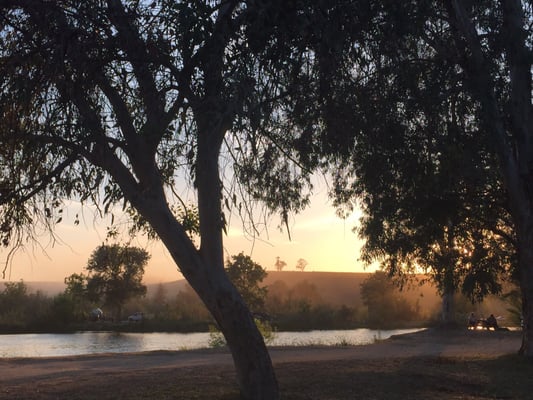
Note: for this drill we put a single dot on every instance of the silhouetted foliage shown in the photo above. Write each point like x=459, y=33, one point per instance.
x=247, y=276
x=439, y=103
x=21, y=310
x=386, y=307
x=279, y=264
x=301, y=264
x=409, y=141
x=112, y=103
x=301, y=307
x=115, y=275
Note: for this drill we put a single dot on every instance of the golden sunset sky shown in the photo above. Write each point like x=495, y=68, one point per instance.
x=324, y=240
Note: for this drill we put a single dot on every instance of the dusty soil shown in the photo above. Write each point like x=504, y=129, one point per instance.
x=209, y=373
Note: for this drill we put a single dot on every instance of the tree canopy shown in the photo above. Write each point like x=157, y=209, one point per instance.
x=247, y=276
x=431, y=189
x=438, y=103
x=115, y=275
x=384, y=302
x=113, y=103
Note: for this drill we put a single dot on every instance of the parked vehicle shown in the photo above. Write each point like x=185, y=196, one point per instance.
x=96, y=315
x=136, y=317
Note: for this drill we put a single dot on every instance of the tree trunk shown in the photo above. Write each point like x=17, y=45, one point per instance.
x=204, y=270
x=514, y=147
x=255, y=373
x=118, y=313
x=447, y=307
x=519, y=56
x=526, y=286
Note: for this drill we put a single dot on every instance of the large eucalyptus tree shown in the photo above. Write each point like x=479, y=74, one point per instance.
x=402, y=134
x=492, y=44
x=438, y=104
x=114, y=102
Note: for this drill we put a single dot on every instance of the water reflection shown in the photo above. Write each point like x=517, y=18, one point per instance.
x=49, y=345
x=332, y=338
x=112, y=342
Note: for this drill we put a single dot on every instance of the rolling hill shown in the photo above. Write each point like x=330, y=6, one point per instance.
x=335, y=289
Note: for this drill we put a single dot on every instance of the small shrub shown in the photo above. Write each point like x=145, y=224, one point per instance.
x=268, y=333
x=343, y=342
x=216, y=338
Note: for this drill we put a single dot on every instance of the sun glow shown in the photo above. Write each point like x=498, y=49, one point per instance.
x=317, y=235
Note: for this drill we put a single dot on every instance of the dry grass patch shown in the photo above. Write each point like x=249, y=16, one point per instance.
x=407, y=378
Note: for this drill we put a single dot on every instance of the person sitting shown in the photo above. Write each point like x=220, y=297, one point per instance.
x=491, y=322
x=472, y=321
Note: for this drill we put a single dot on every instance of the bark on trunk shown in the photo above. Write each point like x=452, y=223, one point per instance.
x=204, y=268
x=255, y=373
x=118, y=314
x=521, y=119
x=213, y=117
x=514, y=146
x=526, y=286
x=447, y=308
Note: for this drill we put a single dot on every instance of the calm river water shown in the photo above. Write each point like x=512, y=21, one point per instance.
x=46, y=345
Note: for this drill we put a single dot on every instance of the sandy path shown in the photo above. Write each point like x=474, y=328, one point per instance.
x=425, y=343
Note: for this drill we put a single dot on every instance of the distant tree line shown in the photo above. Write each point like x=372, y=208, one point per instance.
x=297, y=307
x=113, y=283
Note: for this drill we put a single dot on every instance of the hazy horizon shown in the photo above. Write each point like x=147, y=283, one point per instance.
x=181, y=278
x=317, y=235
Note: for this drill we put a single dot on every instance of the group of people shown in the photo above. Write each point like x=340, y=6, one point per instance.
x=490, y=322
